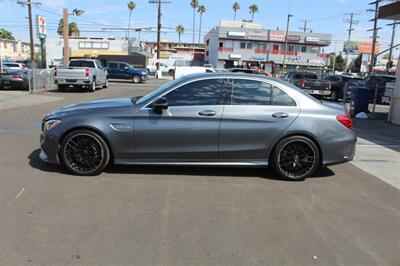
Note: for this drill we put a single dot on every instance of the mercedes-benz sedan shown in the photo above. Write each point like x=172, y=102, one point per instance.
x=203, y=119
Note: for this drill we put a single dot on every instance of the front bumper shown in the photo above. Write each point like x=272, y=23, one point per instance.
x=49, y=148
x=144, y=77
x=318, y=92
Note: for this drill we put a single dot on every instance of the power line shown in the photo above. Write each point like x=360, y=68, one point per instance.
x=374, y=32
x=352, y=23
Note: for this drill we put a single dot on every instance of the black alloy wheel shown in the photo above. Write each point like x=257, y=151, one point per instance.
x=296, y=158
x=84, y=152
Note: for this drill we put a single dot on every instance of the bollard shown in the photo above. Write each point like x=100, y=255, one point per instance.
x=374, y=100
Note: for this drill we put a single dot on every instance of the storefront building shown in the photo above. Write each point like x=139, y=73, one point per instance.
x=248, y=44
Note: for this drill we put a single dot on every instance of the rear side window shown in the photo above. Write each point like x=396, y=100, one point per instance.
x=252, y=92
x=310, y=76
x=202, y=92
x=113, y=65
x=82, y=64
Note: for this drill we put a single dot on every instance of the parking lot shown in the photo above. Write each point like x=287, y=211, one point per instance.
x=136, y=215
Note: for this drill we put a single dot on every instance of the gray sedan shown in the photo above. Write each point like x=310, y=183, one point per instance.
x=203, y=119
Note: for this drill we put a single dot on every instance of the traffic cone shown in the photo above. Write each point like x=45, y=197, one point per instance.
x=352, y=111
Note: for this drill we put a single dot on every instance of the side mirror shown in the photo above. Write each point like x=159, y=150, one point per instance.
x=159, y=105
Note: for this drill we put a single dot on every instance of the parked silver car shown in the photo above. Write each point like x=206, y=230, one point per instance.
x=203, y=119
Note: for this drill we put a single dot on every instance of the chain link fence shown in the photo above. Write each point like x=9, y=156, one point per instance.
x=41, y=79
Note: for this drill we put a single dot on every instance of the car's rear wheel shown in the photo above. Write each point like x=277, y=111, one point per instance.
x=105, y=86
x=84, y=152
x=171, y=72
x=61, y=88
x=295, y=158
x=92, y=87
x=136, y=79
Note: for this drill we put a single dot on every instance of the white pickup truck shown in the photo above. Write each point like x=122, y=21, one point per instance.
x=82, y=73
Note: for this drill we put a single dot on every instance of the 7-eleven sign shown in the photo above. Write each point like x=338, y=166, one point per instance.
x=41, y=27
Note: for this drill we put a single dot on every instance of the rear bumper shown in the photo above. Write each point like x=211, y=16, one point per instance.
x=338, y=149
x=77, y=82
x=13, y=84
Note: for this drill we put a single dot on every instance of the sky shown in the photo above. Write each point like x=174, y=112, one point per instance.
x=102, y=17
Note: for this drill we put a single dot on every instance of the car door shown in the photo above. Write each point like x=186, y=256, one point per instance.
x=255, y=115
x=101, y=74
x=124, y=71
x=113, y=71
x=188, y=130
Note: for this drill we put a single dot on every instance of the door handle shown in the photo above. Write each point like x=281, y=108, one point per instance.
x=280, y=115
x=207, y=113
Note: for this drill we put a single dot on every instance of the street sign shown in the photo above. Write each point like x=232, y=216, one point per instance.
x=41, y=27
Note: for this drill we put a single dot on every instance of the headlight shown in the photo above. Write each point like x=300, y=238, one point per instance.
x=144, y=73
x=51, y=124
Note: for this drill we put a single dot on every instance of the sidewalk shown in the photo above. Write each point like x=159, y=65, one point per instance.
x=378, y=148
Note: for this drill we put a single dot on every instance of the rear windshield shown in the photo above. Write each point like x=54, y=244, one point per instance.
x=305, y=76
x=81, y=64
x=11, y=65
x=351, y=78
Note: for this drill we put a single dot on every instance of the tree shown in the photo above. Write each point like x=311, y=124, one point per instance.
x=357, y=64
x=5, y=34
x=131, y=7
x=194, y=4
x=180, y=30
x=73, y=29
x=201, y=10
x=339, y=63
x=253, y=9
x=235, y=7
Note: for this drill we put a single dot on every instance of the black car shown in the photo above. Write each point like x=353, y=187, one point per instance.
x=379, y=82
x=14, y=79
x=341, y=82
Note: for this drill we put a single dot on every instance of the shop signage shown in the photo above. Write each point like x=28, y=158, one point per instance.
x=235, y=56
x=312, y=39
x=356, y=48
x=293, y=38
x=276, y=36
x=236, y=34
x=259, y=58
x=256, y=34
x=41, y=27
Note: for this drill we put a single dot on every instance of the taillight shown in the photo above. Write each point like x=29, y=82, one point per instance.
x=345, y=120
x=87, y=72
x=16, y=76
x=302, y=83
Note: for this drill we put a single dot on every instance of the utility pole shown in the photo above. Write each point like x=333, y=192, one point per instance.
x=158, y=29
x=351, y=22
x=66, y=37
x=286, y=40
x=390, y=63
x=304, y=28
x=29, y=3
x=375, y=31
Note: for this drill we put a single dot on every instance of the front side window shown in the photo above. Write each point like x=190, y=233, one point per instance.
x=202, y=92
x=122, y=66
x=113, y=65
x=252, y=92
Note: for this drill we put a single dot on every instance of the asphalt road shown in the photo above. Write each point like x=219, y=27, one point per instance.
x=183, y=215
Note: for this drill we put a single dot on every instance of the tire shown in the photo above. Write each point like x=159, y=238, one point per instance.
x=81, y=146
x=171, y=72
x=333, y=96
x=105, y=86
x=290, y=158
x=61, y=88
x=92, y=87
x=136, y=79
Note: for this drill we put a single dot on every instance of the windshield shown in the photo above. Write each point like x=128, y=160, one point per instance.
x=157, y=91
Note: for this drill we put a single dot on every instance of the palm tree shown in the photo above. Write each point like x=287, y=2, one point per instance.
x=194, y=4
x=131, y=7
x=253, y=9
x=5, y=34
x=235, y=7
x=180, y=30
x=201, y=10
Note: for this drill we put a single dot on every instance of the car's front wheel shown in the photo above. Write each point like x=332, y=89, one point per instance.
x=83, y=152
x=136, y=79
x=295, y=158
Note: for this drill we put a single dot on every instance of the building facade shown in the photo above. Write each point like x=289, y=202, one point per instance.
x=248, y=44
x=170, y=49
x=12, y=50
x=89, y=47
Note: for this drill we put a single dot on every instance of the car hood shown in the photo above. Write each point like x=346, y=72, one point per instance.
x=92, y=106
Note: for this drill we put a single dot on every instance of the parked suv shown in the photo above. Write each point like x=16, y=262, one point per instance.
x=122, y=70
x=341, y=82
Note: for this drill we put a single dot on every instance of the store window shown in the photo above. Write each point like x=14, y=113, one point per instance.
x=261, y=45
x=221, y=44
x=291, y=47
x=242, y=45
x=314, y=50
x=249, y=45
x=303, y=49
